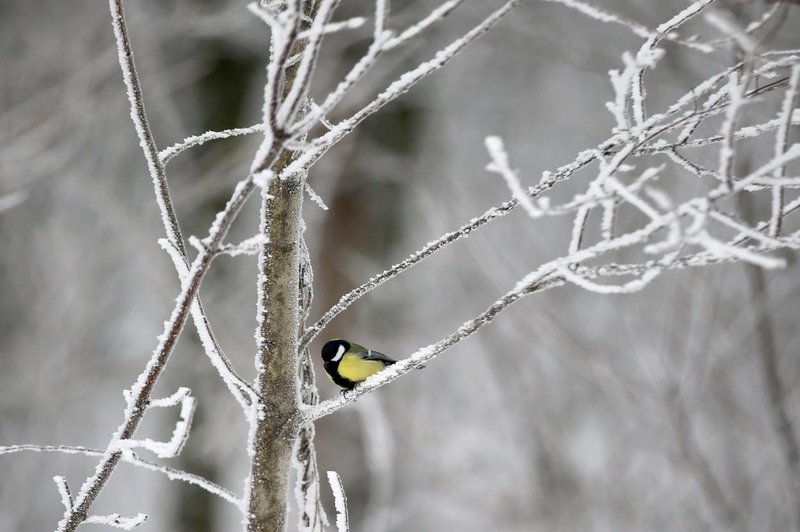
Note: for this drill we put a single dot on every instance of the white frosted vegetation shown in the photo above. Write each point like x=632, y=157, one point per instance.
x=342, y=518
x=632, y=172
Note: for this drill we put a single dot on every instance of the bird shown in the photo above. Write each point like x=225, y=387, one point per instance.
x=348, y=364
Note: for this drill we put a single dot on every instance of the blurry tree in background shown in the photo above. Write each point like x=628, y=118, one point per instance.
x=673, y=407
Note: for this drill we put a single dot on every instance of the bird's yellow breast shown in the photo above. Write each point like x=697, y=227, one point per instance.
x=356, y=369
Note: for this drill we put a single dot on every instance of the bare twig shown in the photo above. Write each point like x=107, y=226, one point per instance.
x=133, y=459
x=321, y=145
x=781, y=144
x=342, y=517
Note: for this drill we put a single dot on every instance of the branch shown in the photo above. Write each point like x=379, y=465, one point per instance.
x=180, y=433
x=63, y=491
x=340, y=500
x=548, y=180
x=435, y=16
x=133, y=459
x=321, y=145
x=167, y=154
x=421, y=356
x=312, y=515
x=116, y=521
x=238, y=387
x=334, y=27
x=501, y=166
x=781, y=144
x=282, y=40
x=300, y=84
x=358, y=70
x=637, y=29
x=647, y=54
x=557, y=271
x=186, y=300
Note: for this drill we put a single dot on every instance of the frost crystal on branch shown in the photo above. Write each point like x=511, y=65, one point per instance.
x=115, y=521
x=340, y=500
x=63, y=491
x=180, y=433
x=641, y=151
x=629, y=217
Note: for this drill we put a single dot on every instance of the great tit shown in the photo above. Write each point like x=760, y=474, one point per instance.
x=347, y=363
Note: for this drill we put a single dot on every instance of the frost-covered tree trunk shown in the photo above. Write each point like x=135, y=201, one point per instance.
x=279, y=311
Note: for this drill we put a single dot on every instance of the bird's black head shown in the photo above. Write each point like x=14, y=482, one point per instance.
x=334, y=349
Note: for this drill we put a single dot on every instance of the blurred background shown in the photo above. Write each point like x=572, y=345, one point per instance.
x=573, y=411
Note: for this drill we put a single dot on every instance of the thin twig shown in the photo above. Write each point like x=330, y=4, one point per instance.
x=321, y=145
x=133, y=459
x=781, y=144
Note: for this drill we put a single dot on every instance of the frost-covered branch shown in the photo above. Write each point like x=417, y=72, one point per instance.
x=340, y=500
x=425, y=354
x=301, y=78
x=640, y=30
x=781, y=144
x=382, y=40
x=186, y=301
x=501, y=166
x=334, y=27
x=548, y=180
x=155, y=163
x=167, y=154
x=63, y=491
x=180, y=433
x=625, y=191
x=312, y=517
x=117, y=521
x=681, y=232
x=322, y=144
x=133, y=459
x=434, y=17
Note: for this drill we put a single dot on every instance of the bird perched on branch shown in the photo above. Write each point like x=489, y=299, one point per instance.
x=347, y=363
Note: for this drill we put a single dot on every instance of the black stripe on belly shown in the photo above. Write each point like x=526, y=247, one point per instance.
x=333, y=370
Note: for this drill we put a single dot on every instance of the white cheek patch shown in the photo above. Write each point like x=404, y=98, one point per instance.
x=339, y=353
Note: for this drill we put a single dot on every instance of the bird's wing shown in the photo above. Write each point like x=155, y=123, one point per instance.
x=374, y=355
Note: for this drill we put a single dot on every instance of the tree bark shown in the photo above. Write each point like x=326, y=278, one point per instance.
x=279, y=312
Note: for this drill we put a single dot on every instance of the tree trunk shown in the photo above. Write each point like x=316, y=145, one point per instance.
x=277, y=340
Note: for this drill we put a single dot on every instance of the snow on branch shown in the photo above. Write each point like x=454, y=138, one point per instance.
x=315, y=198
x=318, y=111
x=322, y=144
x=432, y=247
x=187, y=301
x=501, y=166
x=547, y=181
x=116, y=521
x=130, y=458
x=334, y=27
x=181, y=396
x=180, y=433
x=63, y=491
x=340, y=501
x=781, y=143
x=602, y=15
x=435, y=16
x=248, y=246
x=237, y=386
x=266, y=15
x=168, y=154
x=288, y=47
x=680, y=233
x=668, y=232
x=299, y=87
